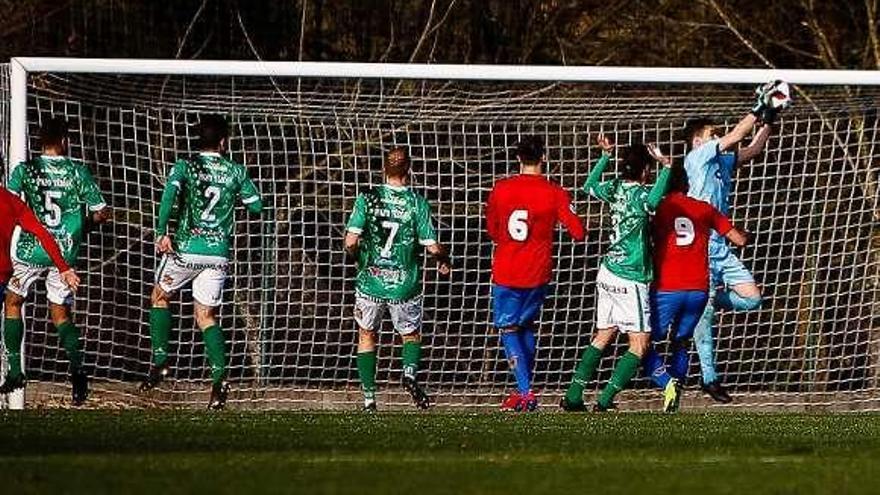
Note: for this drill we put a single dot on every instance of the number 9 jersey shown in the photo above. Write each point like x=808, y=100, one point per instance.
x=521, y=217
x=682, y=227
x=392, y=222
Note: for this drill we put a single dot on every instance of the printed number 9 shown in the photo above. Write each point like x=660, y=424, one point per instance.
x=684, y=231
x=517, y=226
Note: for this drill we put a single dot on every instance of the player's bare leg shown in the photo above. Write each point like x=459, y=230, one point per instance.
x=366, y=364
x=625, y=369
x=160, y=328
x=740, y=297
x=412, y=350
x=586, y=369
x=215, y=348
x=70, y=339
x=12, y=337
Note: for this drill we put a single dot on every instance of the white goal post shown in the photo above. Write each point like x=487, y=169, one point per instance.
x=312, y=132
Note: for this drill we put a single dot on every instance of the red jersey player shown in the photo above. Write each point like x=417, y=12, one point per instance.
x=681, y=231
x=521, y=215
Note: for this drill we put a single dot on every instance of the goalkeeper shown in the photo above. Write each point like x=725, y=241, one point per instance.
x=710, y=165
x=199, y=252
x=384, y=231
x=625, y=272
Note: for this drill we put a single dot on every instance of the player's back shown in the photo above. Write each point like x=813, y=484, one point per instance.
x=522, y=215
x=393, y=221
x=210, y=184
x=710, y=175
x=681, y=231
x=58, y=189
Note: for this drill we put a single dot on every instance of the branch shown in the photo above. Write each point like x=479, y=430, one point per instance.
x=871, y=6
x=736, y=32
x=189, y=28
x=302, y=29
x=425, y=32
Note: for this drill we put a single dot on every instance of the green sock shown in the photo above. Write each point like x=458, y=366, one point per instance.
x=583, y=374
x=215, y=348
x=366, y=362
x=70, y=339
x=14, y=332
x=624, y=371
x=160, y=327
x=412, y=354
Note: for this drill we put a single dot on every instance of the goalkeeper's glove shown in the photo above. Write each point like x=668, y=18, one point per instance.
x=773, y=97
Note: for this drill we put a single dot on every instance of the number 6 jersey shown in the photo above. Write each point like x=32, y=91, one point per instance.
x=59, y=190
x=392, y=222
x=521, y=217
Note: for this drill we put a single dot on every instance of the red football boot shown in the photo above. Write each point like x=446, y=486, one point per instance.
x=512, y=402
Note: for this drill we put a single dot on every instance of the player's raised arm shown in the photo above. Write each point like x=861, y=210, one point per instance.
x=600, y=190
x=565, y=213
x=756, y=146
x=661, y=185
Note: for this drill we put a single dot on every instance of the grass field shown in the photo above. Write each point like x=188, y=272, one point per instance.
x=276, y=452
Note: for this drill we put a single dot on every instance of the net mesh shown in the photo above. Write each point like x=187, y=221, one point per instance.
x=811, y=201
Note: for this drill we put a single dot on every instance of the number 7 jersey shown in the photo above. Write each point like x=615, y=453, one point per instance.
x=521, y=216
x=392, y=223
x=59, y=190
x=210, y=184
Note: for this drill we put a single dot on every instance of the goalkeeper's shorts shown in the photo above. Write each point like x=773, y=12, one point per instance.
x=517, y=307
x=725, y=268
x=207, y=274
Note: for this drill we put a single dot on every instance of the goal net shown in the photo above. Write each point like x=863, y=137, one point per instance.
x=311, y=144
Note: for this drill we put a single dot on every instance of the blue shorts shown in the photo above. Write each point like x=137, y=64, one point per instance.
x=680, y=309
x=516, y=307
x=725, y=268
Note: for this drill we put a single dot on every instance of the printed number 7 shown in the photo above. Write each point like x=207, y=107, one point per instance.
x=392, y=227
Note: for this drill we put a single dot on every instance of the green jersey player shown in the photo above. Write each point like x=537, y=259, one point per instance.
x=384, y=232
x=210, y=184
x=626, y=270
x=59, y=190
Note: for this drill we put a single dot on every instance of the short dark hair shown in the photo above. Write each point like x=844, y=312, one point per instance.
x=695, y=126
x=213, y=129
x=635, y=159
x=397, y=162
x=678, y=178
x=530, y=149
x=53, y=132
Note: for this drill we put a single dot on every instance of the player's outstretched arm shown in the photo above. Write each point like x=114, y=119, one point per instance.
x=31, y=224
x=742, y=129
x=655, y=195
x=756, y=146
x=441, y=256
x=591, y=186
x=738, y=237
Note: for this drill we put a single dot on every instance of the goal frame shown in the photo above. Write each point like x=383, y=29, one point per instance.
x=21, y=67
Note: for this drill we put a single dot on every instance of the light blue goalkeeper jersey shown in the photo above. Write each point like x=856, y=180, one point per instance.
x=710, y=175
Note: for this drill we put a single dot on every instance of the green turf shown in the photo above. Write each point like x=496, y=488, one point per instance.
x=182, y=451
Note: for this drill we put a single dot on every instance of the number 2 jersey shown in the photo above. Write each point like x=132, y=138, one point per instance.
x=209, y=184
x=521, y=216
x=682, y=227
x=59, y=190
x=392, y=222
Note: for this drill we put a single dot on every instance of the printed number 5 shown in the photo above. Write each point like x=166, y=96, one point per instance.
x=684, y=231
x=53, y=211
x=517, y=226
x=392, y=227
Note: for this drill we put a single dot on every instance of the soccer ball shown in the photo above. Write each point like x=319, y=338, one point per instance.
x=775, y=95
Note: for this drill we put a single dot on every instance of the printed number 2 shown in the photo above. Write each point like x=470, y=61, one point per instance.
x=213, y=195
x=53, y=211
x=684, y=231
x=517, y=226
x=392, y=227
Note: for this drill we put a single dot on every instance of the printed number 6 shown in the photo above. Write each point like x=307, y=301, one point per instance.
x=517, y=226
x=684, y=231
